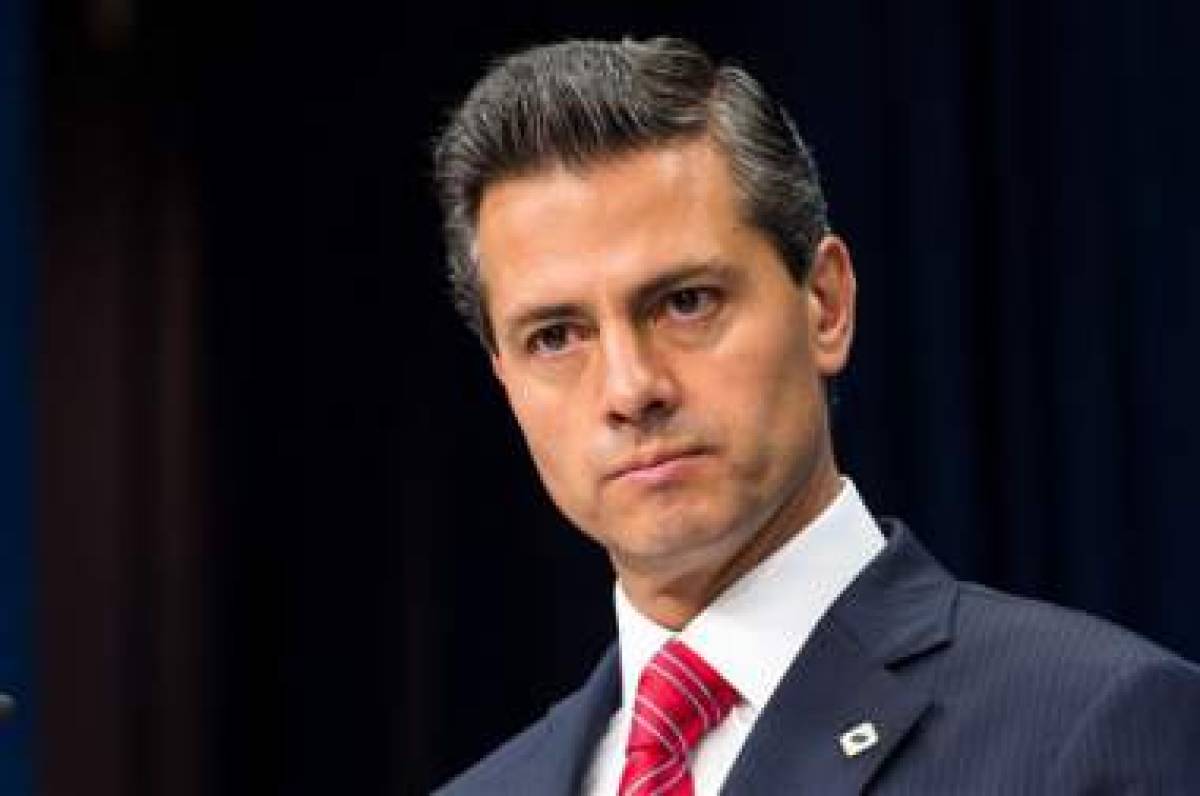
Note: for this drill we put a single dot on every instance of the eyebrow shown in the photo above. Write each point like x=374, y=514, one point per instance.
x=643, y=294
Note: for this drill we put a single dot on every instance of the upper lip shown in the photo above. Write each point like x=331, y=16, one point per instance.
x=652, y=459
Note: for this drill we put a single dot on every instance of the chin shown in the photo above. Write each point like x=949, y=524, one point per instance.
x=673, y=538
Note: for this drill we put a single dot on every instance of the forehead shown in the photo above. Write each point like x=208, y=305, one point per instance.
x=614, y=221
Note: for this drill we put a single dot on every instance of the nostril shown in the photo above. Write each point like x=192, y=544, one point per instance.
x=657, y=410
x=648, y=416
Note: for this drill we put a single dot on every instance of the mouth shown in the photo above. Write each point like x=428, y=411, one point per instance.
x=657, y=467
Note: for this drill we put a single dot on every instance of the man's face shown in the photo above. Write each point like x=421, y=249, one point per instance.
x=664, y=366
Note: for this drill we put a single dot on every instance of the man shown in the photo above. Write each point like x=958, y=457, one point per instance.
x=639, y=238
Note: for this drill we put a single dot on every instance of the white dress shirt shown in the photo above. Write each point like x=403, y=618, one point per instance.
x=750, y=634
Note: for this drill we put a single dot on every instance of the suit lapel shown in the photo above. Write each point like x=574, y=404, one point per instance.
x=568, y=738
x=899, y=608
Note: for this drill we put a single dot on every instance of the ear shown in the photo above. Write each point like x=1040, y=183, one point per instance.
x=497, y=362
x=831, y=296
x=503, y=375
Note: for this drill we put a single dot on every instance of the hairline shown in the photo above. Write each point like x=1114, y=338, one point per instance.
x=598, y=159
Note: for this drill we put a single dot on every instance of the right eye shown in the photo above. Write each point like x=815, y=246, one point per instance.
x=549, y=340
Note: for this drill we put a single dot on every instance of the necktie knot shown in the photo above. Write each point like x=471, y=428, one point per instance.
x=679, y=699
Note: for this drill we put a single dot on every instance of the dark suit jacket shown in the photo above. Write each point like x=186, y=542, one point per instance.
x=971, y=691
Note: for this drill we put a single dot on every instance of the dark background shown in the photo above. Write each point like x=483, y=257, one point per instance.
x=288, y=537
x=16, y=271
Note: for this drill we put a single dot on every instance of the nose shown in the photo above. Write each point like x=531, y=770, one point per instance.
x=639, y=389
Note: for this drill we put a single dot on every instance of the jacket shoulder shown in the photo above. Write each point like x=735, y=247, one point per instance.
x=1085, y=683
x=546, y=756
x=1057, y=697
x=1141, y=727
x=483, y=776
x=1047, y=639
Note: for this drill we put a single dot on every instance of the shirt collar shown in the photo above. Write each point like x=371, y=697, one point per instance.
x=754, y=629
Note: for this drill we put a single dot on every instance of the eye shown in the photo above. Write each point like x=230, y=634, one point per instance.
x=691, y=302
x=549, y=340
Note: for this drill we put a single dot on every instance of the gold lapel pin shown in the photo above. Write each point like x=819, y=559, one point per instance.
x=858, y=739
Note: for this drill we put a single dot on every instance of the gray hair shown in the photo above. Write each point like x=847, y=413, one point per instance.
x=577, y=102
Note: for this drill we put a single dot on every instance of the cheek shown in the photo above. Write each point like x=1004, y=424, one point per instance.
x=553, y=443
x=769, y=399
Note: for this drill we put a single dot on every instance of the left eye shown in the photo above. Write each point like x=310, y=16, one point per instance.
x=690, y=302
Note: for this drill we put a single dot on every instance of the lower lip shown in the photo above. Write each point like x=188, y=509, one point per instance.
x=664, y=472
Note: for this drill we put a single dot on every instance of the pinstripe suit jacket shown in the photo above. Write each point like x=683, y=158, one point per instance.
x=971, y=691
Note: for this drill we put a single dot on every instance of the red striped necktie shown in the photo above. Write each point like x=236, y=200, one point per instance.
x=679, y=699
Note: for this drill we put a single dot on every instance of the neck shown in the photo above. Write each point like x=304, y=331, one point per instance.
x=673, y=596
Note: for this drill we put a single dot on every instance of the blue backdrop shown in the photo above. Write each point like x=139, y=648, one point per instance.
x=16, y=770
